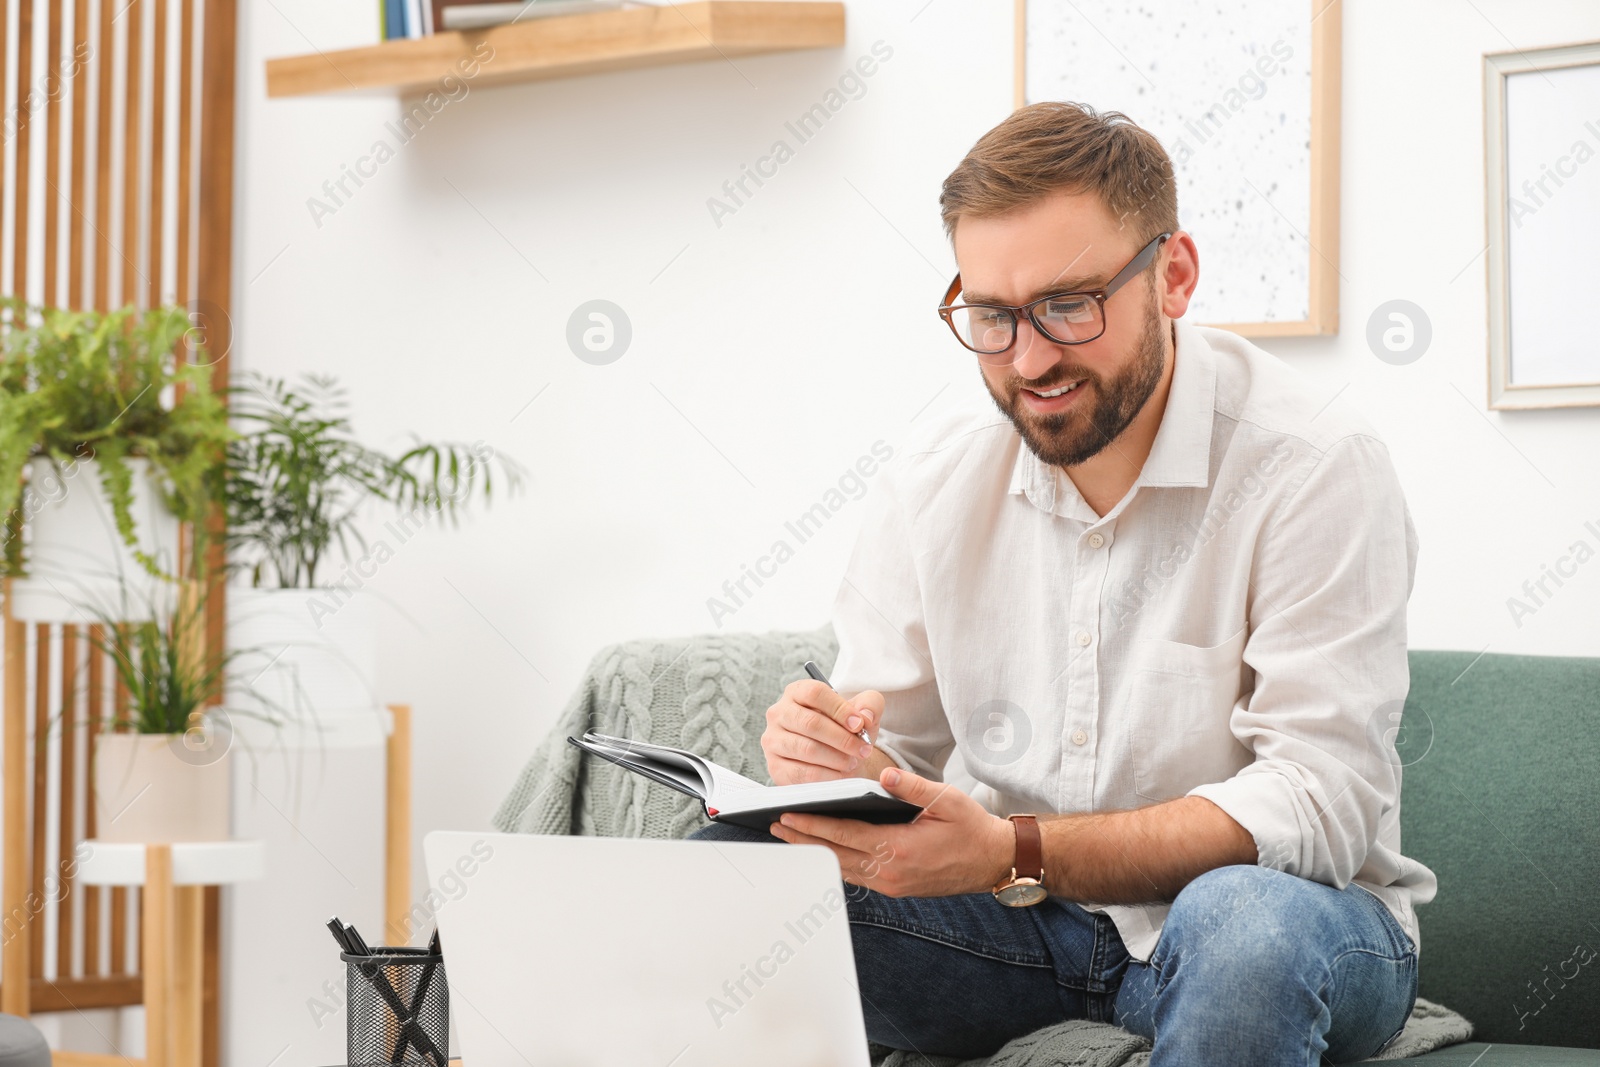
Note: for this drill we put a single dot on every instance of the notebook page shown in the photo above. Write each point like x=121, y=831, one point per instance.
x=679, y=766
x=777, y=796
x=689, y=778
x=726, y=783
x=718, y=781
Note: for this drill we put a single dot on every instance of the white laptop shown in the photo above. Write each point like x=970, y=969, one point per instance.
x=622, y=952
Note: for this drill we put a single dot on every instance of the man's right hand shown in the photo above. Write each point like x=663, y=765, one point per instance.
x=814, y=735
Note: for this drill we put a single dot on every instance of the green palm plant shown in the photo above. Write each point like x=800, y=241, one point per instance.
x=296, y=479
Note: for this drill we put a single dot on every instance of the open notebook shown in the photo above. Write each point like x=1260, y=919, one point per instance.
x=731, y=797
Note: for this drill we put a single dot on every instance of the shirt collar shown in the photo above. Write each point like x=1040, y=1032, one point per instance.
x=1181, y=452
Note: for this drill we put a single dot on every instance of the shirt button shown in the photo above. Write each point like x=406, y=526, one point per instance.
x=1084, y=638
x=1079, y=737
x=1096, y=540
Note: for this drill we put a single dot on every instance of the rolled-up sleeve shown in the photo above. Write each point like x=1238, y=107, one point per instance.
x=883, y=642
x=1327, y=610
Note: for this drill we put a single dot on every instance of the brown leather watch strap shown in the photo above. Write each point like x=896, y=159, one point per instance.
x=1030, y=848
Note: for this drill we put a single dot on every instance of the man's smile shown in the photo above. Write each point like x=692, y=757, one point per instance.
x=1054, y=399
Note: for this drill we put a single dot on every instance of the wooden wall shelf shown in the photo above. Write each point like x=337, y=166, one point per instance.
x=568, y=45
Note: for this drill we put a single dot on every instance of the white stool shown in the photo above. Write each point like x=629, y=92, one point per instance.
x=174, y=877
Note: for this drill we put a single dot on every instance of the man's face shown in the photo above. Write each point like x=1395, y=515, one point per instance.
x=1066, y=241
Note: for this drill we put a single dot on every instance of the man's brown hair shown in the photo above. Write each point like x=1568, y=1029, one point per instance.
x=1057, y=145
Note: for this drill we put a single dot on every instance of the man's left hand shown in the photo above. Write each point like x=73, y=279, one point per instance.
x=954, y=846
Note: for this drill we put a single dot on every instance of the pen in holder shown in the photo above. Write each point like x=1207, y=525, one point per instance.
x=398, y=1007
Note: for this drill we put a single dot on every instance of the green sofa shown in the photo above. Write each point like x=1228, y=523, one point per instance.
x=1502, y=800
x=1502, y=760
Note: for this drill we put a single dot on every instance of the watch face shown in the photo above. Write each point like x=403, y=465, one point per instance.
x=1021, y=894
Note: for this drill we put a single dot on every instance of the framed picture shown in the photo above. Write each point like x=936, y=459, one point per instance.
x=1246, y=102
x=1541, y=109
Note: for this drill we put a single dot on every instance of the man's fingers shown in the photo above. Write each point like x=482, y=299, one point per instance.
x=849, y=859
x=869, y=702
x=863, y=837
x=802, y=749
x=852, y=715
x=912, y=787
x=787, y=771
x=821, y=725
x=813, y=734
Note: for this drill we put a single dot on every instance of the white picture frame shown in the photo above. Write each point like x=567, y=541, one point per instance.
x=1541, y=110
x=1271, y=229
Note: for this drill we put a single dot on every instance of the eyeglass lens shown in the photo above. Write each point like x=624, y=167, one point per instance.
x=1066, y=319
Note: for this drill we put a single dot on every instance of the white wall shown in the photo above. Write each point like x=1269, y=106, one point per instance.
x=440, y=292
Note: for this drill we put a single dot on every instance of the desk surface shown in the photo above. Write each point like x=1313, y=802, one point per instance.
x=193, y=862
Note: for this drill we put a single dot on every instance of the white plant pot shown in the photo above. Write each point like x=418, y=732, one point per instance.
x=155, y=788
x=78, y=565
x=305, y=657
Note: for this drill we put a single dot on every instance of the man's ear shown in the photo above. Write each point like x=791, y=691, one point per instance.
x=1177, y=278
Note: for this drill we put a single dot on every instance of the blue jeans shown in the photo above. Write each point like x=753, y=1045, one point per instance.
x=1253, y=966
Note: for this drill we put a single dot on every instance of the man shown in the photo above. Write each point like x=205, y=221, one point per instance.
x=1157, y=606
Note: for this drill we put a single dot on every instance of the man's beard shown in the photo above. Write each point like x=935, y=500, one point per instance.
x=1075, y=436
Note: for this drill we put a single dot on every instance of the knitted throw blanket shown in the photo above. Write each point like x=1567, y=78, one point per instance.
x=1077, y=1043
x=710, y=694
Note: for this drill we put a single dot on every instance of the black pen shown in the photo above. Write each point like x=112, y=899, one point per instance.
x=336, y=928
x=357, y=940
x=816, y=673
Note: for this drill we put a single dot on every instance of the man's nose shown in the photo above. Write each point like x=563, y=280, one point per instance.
x=1035, y=354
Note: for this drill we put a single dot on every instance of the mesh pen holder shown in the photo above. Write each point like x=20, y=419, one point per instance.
x=398, y=1007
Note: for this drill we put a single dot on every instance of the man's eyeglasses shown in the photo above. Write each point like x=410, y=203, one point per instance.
x=1066, y=318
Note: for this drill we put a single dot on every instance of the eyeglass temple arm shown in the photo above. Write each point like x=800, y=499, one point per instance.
x=1137, y=264
x=950, y=293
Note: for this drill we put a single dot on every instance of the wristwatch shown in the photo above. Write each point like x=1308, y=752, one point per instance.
x=1025, y=885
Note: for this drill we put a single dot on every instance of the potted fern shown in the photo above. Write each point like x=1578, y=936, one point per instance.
x=295, y=483
x=111, y=417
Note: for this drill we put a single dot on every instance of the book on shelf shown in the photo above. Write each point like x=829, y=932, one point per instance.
x=403, y=19
x=728, y=796
x=481, y=15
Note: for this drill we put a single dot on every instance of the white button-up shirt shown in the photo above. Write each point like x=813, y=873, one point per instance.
x=1234, y=628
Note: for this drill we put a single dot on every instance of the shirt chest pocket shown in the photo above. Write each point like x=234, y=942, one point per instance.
x=1181, y=698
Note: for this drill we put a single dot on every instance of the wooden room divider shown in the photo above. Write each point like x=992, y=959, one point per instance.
x=116, y=188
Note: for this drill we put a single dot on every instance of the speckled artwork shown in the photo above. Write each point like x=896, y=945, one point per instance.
x=1226, y=88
